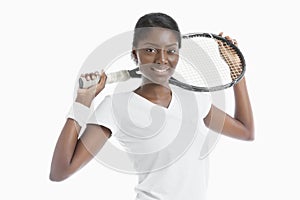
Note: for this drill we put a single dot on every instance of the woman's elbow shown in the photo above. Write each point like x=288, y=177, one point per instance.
x=58, y=175
x=250, y=138
x=249, y=135
x=56, y=178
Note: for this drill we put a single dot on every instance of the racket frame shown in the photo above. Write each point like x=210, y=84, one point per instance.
x=133, y=73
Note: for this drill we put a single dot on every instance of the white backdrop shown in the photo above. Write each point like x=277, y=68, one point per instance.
x=44, y=43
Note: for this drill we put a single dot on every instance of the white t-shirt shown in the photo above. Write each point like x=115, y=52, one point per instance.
x=162, y=144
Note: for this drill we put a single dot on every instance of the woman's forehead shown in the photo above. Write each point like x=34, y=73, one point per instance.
x=159, y=36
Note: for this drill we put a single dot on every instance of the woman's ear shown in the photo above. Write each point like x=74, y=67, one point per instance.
x=134, y=56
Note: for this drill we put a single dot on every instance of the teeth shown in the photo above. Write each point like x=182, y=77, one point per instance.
x=160, y=70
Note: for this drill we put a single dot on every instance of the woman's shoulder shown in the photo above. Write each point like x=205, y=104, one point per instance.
x=121, y=94
x=117, y=97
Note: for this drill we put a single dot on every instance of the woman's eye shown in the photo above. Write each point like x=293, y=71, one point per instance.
x=172, y=51
x=150, y=50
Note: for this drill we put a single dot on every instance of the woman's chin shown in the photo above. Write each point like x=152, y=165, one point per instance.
x=163, y=80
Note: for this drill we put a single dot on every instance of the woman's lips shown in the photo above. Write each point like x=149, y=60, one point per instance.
x=160, y=69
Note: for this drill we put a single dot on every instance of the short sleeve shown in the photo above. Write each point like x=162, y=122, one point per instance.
x=103, y=115
x=204, y=103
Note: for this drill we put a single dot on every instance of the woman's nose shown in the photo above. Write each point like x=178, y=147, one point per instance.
x=161, y=58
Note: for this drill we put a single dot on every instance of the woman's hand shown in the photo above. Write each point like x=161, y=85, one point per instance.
x=233, y=41
x=86, y=96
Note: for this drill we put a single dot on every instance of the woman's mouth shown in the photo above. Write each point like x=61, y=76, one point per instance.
x=160, y=69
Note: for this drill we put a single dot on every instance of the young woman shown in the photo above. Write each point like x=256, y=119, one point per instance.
x=165, y=153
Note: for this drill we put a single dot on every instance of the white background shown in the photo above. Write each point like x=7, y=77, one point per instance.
x=44, y=43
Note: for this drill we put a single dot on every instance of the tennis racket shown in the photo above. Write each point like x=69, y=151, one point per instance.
x=208, y=62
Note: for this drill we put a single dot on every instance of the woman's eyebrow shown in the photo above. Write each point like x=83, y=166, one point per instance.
x=156, y=45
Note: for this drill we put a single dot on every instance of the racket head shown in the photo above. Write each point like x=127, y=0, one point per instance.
x=196, y=70
x=208, y=63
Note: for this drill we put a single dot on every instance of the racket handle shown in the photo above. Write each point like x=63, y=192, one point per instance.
x=118, y=76
x=83, y=83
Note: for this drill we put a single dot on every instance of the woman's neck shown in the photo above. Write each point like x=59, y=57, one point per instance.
x=156, y=93
x=160, y=94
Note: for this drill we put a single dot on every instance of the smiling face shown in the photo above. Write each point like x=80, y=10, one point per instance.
x=157, y=55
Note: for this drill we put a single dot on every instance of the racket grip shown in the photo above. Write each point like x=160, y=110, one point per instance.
x=118, y=76
x=83, y=83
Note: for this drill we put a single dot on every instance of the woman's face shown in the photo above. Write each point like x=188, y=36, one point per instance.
x=157, y=55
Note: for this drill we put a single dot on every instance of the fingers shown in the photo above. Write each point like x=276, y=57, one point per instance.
x=99, y=86
x=230, y=39
x=233, y=41
x=85, y=96
x=94, y=80
x=90, y=76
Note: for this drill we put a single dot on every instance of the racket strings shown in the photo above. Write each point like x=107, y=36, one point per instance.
x=232, y=59
x=201, y=64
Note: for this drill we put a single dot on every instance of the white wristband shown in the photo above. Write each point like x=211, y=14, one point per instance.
x=79, y=113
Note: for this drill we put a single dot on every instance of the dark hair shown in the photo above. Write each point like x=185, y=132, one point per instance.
x=155, y=20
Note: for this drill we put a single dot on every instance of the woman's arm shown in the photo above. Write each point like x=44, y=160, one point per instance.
x=241, y=126
x=71, y=153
